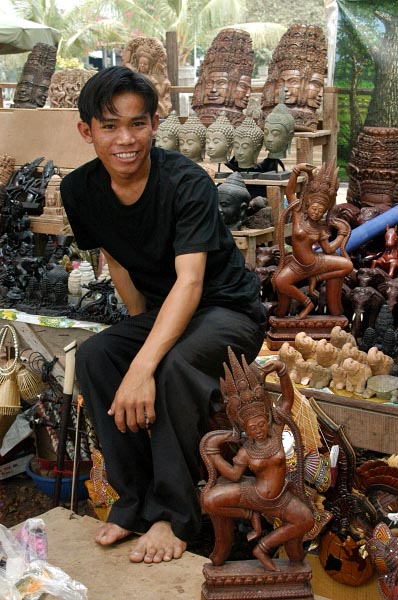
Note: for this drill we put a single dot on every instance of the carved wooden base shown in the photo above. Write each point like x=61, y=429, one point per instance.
x=285, y=329
x=247, y=580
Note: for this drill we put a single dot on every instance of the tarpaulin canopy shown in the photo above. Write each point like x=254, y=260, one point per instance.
x=20, y=35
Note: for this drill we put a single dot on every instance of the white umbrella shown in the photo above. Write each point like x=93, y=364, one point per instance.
x=20, y=35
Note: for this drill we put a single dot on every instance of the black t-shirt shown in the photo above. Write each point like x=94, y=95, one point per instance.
x=176, y=214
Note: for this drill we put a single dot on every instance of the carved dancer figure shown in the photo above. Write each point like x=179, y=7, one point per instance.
x=309, y=228
x=235, y=495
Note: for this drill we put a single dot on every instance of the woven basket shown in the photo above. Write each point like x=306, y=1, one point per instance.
x=29, y=384
x=10, y=401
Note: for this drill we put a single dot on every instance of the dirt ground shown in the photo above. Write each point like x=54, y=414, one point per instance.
x=21, y=500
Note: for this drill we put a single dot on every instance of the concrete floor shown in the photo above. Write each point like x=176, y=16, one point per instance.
x=107, y=572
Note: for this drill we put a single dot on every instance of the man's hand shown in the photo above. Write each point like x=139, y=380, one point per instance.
x=134, y=404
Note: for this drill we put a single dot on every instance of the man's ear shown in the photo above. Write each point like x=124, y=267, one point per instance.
x=85, y=132
x=155, y=123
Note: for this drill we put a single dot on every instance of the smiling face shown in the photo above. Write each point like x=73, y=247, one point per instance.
x=123, y=140
x=216, y=87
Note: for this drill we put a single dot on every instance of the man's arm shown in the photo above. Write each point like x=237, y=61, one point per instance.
x=132, y=298
x=135, y=399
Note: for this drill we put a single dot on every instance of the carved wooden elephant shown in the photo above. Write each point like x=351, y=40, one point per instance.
x=366, y=302
x=357, y=375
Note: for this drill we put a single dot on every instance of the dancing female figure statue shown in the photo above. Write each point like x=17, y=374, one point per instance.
x=311, y=229
x=234, y=495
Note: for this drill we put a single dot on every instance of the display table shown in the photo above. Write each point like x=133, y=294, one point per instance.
x=248, y=239
x=48, y=335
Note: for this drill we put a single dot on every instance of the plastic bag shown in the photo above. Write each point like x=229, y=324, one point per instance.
x=25, y=573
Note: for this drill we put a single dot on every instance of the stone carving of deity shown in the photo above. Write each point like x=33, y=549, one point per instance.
x=192, y=138
x=33, y=84
x=298, y=64
x=219, y=140
x=148, y=56
x=224, y=82
x=167, y=133
x=66, y=85
x=278, y=131
x=233, y=199
x=248, y=141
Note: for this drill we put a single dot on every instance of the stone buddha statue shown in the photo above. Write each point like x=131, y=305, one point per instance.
x=32, y=87
x=278, y=131
x=219, y=140
x=224, y=82
x=167, y=134
x=65, y=87
x=299, y=64
x=148, y=56
x=233, y=199
x=248, y=141
x=192, y=138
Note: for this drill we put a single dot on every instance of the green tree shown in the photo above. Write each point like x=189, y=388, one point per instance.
x=104, y=22
x=376, y=22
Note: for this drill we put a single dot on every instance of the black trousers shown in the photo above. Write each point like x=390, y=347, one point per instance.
x=156, y=476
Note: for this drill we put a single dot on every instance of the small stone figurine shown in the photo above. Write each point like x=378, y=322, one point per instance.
x=257, y=428
x=192, y=138
x=167, y=133
x=219, y=140
x=233, y=199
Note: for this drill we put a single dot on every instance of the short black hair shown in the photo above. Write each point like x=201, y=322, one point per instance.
x=98, y=92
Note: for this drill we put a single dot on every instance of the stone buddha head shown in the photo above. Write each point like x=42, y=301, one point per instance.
x=192, y=138
x=224, y=82
x=233, y=199
x=32, y=87
x=167, y=134
x=278, y=131
x=298, y=64
x=248, y=141
x=219, y=140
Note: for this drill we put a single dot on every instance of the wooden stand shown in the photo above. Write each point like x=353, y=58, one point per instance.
x=248, y=239
x=247, y=580
x=285, y=329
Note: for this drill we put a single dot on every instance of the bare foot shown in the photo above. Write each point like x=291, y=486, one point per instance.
x=109, y=533
x=308, y=306
x=265, y=559
x=158, y=544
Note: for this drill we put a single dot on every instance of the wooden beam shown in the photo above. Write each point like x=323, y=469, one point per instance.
x=172, y=66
